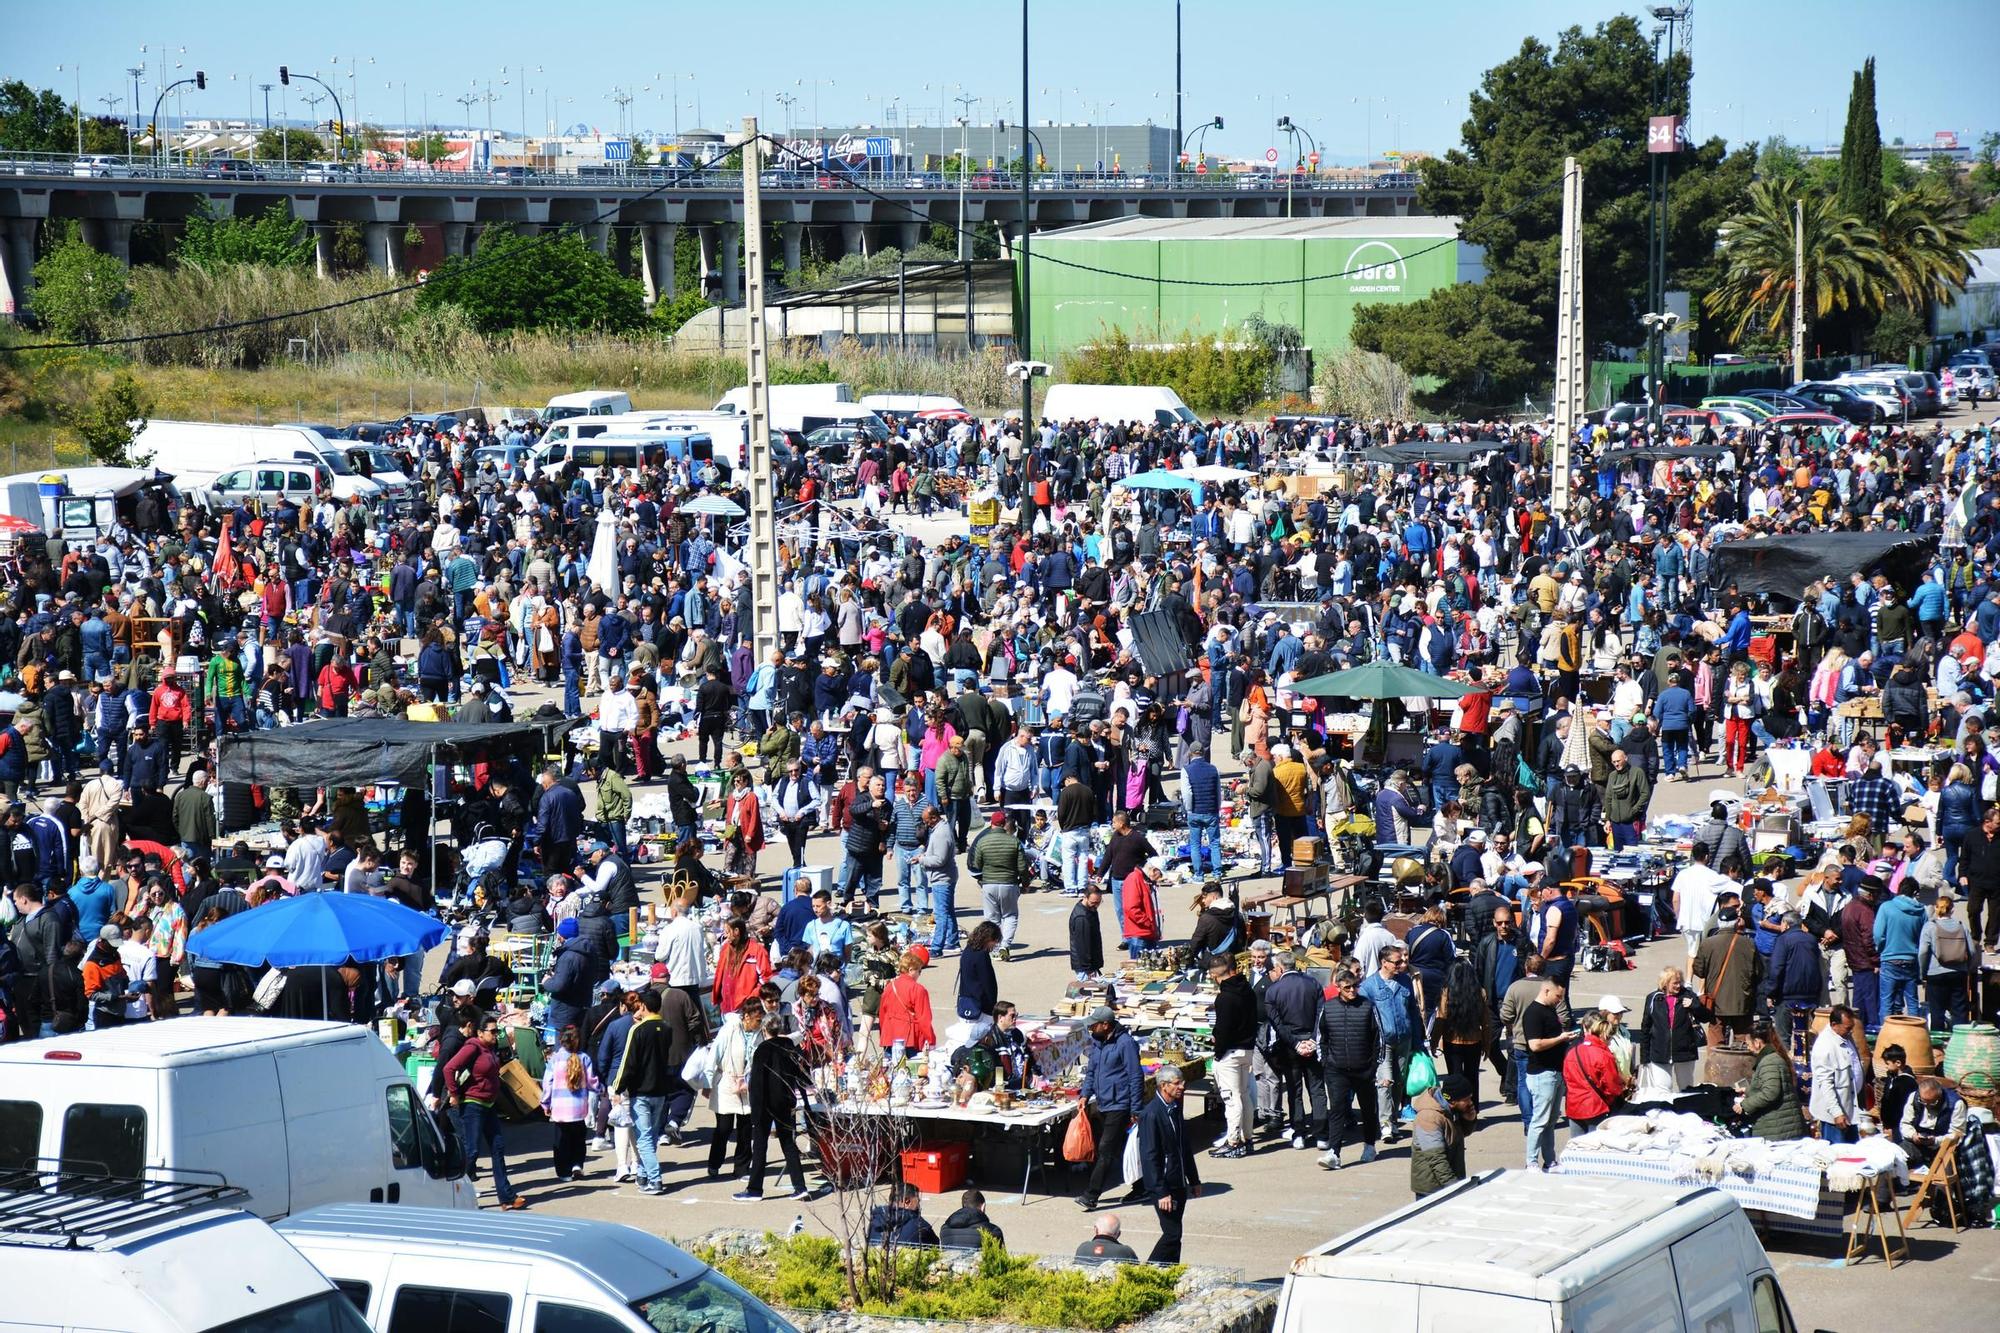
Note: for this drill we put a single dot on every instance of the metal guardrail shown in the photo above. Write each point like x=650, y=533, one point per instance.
x=44, y=166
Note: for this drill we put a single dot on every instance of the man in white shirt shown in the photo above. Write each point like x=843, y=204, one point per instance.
x=305, y=859
x=1059, y=689
x=1836, y=1078
x=682, y=951
x=617, y=719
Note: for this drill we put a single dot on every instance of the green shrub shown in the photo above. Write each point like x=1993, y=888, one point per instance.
x=805, y=1273
x=79, y=292
x=1210, y=375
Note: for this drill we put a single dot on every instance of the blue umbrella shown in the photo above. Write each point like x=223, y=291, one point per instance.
x=319, y=928
x=1157, y=480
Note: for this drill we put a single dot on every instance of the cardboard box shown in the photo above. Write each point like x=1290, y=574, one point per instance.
x=520, y=1095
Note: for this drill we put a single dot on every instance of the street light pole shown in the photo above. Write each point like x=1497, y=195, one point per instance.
x=285, y=76
x=1027, y=225
x=1173, y=167
x=200, y=80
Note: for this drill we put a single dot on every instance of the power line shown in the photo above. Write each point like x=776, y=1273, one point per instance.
x=471, y=264
x=1042, y=257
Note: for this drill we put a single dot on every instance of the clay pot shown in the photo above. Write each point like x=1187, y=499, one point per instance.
x=1726, y=1066
x=1972, y=1060
x=1913, y=1034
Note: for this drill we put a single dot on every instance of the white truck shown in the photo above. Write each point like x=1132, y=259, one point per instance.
x=197, y=452
x=296, y=1113
x=1147, y=404
x=1514, y=1251
x=786, y=400
x=587, y=403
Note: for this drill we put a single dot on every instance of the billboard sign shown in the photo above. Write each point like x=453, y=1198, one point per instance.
x=1666, y=134
x=1376, y=268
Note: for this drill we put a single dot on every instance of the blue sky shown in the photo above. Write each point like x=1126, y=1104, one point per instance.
x=1360, y=78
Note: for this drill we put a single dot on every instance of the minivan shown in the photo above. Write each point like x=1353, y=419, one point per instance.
x=1510, y=1251
x=601, y=451
x=588, y=403
x=296, y=1113
x=431, y=1269
x=81, y=1253
x=267, y=482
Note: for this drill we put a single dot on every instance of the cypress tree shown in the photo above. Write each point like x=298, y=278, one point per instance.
x=1861, y=188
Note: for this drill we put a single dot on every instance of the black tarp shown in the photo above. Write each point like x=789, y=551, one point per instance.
x=1783, y=566
x=364, y=751
x=1430, y=451
x=1157, y=643
x=1694, y=452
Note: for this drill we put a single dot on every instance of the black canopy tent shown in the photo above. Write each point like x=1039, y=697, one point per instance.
x=1431, y=451
x=362, y=752
x=1655, y=452
x=1783, y=566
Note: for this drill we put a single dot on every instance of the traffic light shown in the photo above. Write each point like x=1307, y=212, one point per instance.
x=200, y=79
x=285, y=75
x=339, y=130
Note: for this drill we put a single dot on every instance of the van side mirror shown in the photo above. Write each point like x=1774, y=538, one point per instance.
x=443, y=1156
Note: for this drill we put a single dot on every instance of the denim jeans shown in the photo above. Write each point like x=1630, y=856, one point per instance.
x=1899, y=986
x=912, y=889
x=479, y=1128
x=1075, y=859
x=1866, y=988
x=616, y=828
x=1623, y=836
x=1674, y=748
x=944, y=935
x=1832, y=1133
x=1203, y=842
x=649, y=1117
x=1947, y=1000
x=1544, y=1113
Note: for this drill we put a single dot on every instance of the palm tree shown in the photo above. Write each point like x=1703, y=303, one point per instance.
x=1845, y=266
x=1924, y=240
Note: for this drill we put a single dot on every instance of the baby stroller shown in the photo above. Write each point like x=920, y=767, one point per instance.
x=484, y=862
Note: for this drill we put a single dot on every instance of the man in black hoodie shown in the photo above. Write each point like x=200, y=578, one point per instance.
x=1086, y=934
x=1235, y=1036
x=967, y=1228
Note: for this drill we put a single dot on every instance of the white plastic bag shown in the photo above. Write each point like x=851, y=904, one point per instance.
x=1133, y=1174
x=699, y=1071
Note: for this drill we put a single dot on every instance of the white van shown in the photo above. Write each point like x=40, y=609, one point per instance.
x=197, y=452
x=424, y=1268
x=786, y=399
x=163, y=1258
x=296, y=1113
x=588, y=403
x=1149, y=405
x=267, y=481
x=1512, y=1251
x=584, y=428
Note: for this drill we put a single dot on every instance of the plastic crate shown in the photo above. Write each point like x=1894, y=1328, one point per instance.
x=937, y=1168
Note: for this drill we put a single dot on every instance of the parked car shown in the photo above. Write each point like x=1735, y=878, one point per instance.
x=322, y=172
x=1843, y=400
x=1973, y=372
x=266, y=482
x=1921, y=390
x=1804, y=421
x=509, y=460
x=1756, y=408
x=1893, y=398
x=1782, y=400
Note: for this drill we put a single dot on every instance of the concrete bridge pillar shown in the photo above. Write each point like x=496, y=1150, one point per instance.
x=909, y=235
x=854, y=239
x=385, y=246
x=457, y=239
x=790, y=235
x=322, y=234
x=597, y=235
x=17, y=265
x=656, y=260
x=705, y=237
x=728, y=235
x=110, y=236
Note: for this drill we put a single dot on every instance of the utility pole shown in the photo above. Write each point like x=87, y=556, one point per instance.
x=1173, y=159
x=1027, y=214
x=1570, y=356
x=763, y=548
x=266, y=88
x=1798, y=290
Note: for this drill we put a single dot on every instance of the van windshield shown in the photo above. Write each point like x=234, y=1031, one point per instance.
x=327, y=1312
x=562, y=413
x=337, y=463
x=711, y=1303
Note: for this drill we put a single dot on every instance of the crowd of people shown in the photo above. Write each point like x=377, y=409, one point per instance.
x=978, y=705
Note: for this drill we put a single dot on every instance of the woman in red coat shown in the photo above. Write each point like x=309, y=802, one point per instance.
x=1593, y=1085
x=742, y=966
x=904, y=1013
x=743, y=815
x=1140, y=924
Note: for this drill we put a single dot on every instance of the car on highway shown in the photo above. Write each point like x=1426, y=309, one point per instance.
x=323, y=172
x=100, y=164
x=1843, y=400
x=232, y=169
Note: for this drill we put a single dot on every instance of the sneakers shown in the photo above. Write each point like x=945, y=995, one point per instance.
x=748, y=1196
x=805, y=1195
x=1299, y=1141
x=1367, y=1153
x=648, y=1187
x=1407, y=1114
x=672, y=1135
x=1229, y=1150
x=1321, y=1144
x=1330, y=1161
x=1005, y=953
x=576, y=1174
x=601, y=1145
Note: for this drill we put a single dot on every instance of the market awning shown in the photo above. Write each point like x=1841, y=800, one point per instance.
x=1158, y=480
x=1430, y=451
x=1783, y=566
x=1381, y=680
x=365, y=751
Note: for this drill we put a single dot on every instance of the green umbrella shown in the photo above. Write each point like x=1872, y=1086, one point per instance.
x=1381, y=680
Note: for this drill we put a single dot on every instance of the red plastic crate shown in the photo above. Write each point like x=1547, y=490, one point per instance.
x=937, y=1168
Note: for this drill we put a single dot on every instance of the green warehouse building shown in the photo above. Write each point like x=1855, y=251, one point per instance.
x=1136, y=273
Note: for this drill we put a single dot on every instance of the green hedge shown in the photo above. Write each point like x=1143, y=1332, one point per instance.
x=804, y=1273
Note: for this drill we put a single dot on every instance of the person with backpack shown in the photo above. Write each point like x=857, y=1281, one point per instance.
x=1947, y=961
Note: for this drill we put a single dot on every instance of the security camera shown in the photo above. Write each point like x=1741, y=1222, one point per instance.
x=1026, y=370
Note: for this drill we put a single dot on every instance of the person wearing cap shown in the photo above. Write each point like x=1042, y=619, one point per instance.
x=999, y=866
x=1112, y=1089
x=1445, y=1113
x=274, y=879
x=485, y=974
x=105, y=981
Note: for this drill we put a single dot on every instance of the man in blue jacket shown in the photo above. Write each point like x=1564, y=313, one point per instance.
x=1201, y=793
x=1167, y=1163
x=1674, y=711
x=1927, y=603
x=1395, y=1001
x=1794, y=976
x=1899, y=928
x=1113, y=1081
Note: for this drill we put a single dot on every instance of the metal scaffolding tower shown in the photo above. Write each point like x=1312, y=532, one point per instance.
x=762, y=554
x=1571, y=359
